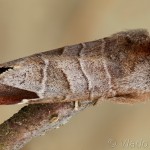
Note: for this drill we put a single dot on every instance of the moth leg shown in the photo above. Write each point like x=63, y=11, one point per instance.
x=95, y=102
x=98, y=101
x=76, y=105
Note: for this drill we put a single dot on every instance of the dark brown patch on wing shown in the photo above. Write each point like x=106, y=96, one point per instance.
x=12, y=95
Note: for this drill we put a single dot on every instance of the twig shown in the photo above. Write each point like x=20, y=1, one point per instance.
x=35, y=120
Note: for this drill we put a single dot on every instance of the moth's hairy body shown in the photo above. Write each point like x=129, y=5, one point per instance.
x=114, y=68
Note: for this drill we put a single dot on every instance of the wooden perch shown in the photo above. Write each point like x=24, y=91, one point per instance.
x=66, y=80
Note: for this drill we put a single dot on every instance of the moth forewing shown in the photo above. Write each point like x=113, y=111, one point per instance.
x=114, y=68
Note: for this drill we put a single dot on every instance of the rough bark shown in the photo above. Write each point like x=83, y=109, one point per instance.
x=115, y=68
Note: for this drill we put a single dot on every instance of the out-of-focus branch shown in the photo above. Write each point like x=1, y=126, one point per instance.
x=35, y=120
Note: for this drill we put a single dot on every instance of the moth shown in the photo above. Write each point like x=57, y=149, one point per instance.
x=115, y=68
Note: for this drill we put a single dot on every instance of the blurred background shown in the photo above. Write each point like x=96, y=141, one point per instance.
x=32, y=26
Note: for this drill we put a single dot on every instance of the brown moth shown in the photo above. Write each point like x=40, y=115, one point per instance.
x=115, y=68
